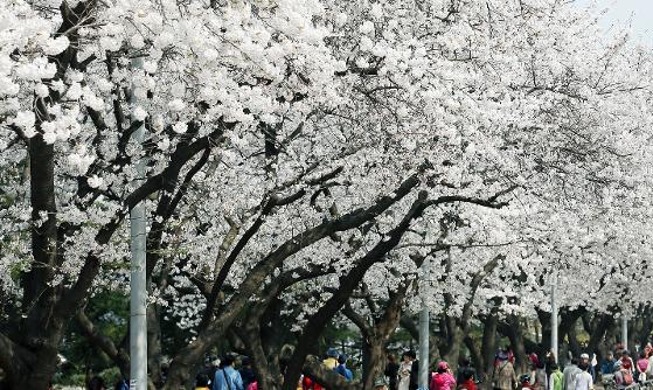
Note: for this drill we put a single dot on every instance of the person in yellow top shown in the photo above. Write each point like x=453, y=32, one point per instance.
x=332, y=359
x=202, y=382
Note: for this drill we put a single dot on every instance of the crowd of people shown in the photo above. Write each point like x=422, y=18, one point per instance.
x=222, y=374
x=618, y=370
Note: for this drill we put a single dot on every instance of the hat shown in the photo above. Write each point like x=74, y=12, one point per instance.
x=380, y=381
x=332, y=352
x=584, y=356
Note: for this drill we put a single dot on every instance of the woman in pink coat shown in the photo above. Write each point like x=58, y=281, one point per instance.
x=443, y=378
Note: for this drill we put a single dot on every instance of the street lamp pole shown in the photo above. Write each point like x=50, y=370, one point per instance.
x=624, y=330
x=554, y=316
x=138, y=294
x=424, y=347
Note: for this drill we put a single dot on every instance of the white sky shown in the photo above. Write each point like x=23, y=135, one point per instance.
x=636, y=13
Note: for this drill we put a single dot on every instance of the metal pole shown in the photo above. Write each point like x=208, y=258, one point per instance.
x=624, y=331
x=424, y=347
x=554, y=316
x=138, y=295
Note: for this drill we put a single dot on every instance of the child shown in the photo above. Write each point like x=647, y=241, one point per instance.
x=642, y=366
x=525, y=382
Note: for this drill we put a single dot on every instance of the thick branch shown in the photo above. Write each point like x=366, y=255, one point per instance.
x=119, y=356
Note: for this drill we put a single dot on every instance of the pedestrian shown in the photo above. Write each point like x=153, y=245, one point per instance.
x=202, y=381
x=569, y=375
x=96, y=383
x=585, y=361
x=584, y=378
x=443, y=378
x=380, y=384
x=538, y=380
x=525, y=382
x=642, y=367
x=310, y=384
x=556, y=378
x=465, y=371
x=414, y=370
x=331, y=361
x=504, y=376
x=468, y=381
x=405, y=367
x=649, y=370
x=619, y=380
x=247, y=372
x=121, y=384
x=227, y=378
x=626, y=361
x=392, y=371
x=342, y=368
x=607, y=366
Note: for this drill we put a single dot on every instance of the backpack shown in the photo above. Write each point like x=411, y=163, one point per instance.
x=628, y=377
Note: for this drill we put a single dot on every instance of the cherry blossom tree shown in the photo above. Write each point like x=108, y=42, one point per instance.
x=296, y=145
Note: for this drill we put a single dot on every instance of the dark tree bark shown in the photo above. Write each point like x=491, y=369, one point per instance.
x=376, y=335
x=215, y=324
x=489, y=343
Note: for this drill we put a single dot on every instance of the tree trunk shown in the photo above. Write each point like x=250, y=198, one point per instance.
x=474, y=354
x=154, y=347
x=376, y=362
x=41, y=330
x=545, y=324
x=489, y=345
x=598, y=334
x=455, y=344
x=517, y=341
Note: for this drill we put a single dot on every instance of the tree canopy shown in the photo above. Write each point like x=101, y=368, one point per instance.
x=311, y=158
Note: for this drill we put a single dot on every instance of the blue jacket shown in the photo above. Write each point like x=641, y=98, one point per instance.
x=227, y=378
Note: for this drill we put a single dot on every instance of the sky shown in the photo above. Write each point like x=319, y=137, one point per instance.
x=637, y=13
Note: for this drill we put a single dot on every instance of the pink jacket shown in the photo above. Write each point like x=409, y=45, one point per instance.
x=443, y=381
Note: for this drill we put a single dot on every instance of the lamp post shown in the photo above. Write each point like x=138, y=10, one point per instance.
x=138, y=292
x=423, y=373
x=624, y=330
x=554, y=316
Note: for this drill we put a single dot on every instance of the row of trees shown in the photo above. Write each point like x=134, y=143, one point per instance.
x=314, y=159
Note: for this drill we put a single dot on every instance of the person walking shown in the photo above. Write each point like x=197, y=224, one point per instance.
x=584, y=379
x=227, y=378
x=202, y=382
x=504, y=376
x=405, y=367
x=443, y=378
x=607, y=366
x=331, y=361
x=342, y=368
x=392, y=371
x=465, y=371
x=247, y=372
x=569, y=375
x=556, y=378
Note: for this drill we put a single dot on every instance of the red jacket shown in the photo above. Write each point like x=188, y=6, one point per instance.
x=443, y=381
